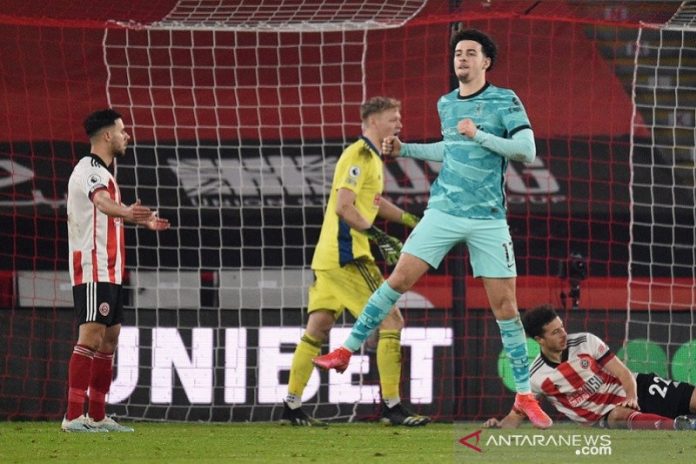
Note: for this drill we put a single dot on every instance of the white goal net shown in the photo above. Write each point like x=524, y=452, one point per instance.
x=238, y=113
x=662, y=267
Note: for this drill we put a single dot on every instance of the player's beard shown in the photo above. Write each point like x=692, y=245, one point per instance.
x=119, y=152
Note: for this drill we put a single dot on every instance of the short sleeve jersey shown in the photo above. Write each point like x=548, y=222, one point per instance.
x=95, y=240
x=578, y=386
x=471, y=182
x=359, y=169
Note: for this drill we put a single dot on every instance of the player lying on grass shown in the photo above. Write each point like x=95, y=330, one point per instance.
x=586, y=382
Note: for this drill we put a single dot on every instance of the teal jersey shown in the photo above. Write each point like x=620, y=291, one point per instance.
x=471, y=182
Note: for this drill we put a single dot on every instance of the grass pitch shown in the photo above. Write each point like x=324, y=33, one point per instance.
x=43, y=442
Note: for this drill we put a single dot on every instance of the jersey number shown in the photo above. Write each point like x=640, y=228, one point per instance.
x=656, y=389
x=507, y=247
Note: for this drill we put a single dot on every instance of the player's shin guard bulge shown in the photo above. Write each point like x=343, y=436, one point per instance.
x=527, y=404
x=338, y=359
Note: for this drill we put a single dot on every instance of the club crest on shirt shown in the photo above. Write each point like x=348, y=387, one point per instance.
x=584, y=363
x=104, y=309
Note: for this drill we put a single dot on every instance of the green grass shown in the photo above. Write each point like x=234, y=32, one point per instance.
x=42, y=442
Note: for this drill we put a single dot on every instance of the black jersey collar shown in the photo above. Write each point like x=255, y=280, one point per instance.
x=369, y=144
x=98, y=160
x=483, y=89
x=564, y=358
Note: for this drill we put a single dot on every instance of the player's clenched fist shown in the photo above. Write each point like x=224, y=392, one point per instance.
x=467, y=127
x=391, y=146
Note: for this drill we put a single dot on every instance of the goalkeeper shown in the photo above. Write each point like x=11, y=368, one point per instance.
x=345, y=270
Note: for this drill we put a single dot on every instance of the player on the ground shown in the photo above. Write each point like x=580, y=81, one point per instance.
x=588, y=384
x=483, y=127
x=97, y=261
x=345, y=270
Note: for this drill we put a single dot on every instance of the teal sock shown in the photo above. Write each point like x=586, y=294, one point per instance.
x=376, y=309
x=515, y=344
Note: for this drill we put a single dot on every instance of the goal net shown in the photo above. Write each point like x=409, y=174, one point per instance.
x=246, y=110
x=239, y=111
x=662, y=295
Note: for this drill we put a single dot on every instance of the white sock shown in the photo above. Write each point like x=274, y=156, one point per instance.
x=293, y=401
x=391, y=402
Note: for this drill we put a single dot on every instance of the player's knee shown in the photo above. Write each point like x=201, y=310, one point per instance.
x=393, y=321
x=319, y=325
x=400, y=282
x=505, y=309
x=91, y=335
x=108, y=346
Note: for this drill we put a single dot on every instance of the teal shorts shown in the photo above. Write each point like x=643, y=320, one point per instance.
x=488, y=240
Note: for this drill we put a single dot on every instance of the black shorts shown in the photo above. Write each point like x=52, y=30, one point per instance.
x=664, y=397
x=100, y=302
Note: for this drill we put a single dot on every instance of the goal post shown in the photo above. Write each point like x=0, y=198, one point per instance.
x=661, y=291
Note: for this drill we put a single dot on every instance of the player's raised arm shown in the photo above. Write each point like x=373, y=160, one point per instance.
x=424, y=151
x=519, y=147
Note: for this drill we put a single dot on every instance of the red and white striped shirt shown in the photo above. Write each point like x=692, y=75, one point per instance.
x=579, y=387
x=96, y=241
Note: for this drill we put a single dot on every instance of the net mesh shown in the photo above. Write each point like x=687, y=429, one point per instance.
x=238, y=116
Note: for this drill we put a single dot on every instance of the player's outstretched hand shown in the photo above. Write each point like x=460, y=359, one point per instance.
x=492, y=423
x=154, y=222
x=138, y=213
x=389, y=247
x=391, y=146
x=630, y=403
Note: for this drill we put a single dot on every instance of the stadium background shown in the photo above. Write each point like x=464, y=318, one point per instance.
x=571, y=63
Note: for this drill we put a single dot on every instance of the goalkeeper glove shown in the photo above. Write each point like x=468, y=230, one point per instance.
x=389, y=247
x=409, y=220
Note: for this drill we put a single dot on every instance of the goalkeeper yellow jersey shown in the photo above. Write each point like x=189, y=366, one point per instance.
x=359, y=169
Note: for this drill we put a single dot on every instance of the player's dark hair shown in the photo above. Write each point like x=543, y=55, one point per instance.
x=99, y=120
x=536, y=318
x=489, y=48
x=377, y=105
